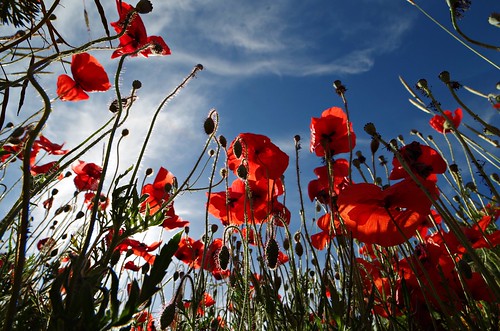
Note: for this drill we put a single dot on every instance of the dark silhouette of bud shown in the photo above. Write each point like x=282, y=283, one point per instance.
x=237, y=148
x=136, y=84
x=223, y=141
x=167, y=316
x=144, y=7
x=272, y=252
x=125, y=132
x=209, y=126
x=242, y=172
x=223, y=257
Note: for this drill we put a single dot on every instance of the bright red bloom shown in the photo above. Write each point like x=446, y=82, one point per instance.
x=422, y=160
x=476, y=234
x=190, y=252
x=130, y=265
x=329, y=133
x=321, y=239
x=50, y=147
x=233, y=206
x=87, y=175
x=385, y=217
x=143, y=321
x=441, y=123
x=157, y=194
x=88, y=76
x=135, y=36
x=139, y=249
x=46, y=244
x=264, y=159
x=319, y=188
x=43, y=169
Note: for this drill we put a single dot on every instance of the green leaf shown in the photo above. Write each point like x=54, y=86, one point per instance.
x=159, y=268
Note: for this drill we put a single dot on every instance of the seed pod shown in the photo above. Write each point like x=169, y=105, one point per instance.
x=223, y=257
x=242, y=172
x=237, y=149
x=209, y=126
x=167, y=316
x=272, y=252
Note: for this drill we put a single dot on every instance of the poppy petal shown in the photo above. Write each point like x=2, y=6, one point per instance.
x=68, y=89
x=89, y=74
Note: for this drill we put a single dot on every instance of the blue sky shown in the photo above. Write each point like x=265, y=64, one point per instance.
x=269, y=68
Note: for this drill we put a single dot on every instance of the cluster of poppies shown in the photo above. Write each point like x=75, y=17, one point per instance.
x=251, y=199
x=89, y=75
x=385, y=216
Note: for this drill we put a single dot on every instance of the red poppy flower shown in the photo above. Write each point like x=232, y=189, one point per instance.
x=88, y=76
x=190, y=251
x=329, y=133
x=321, y=239
x=232, y=207
x=319, y=188
x=442, y=124
x=157, y=194
x=43, y=169
x=139, y=249
x=385, y=217
x=50, y=147
x=264, y=159
x=87, y=175
x=130, y=265
x=476, y=234
x=422, y=160
x=135, y=36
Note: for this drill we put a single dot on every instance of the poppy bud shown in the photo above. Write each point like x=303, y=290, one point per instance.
x=186, y=229
x=18, y=132
x=296, y=236
x=149, y=171
x=115, y=257
x=471, y=186
x=299, y=249
x=136, y=84
x=223, y=257
x=222, y=141
x=374, y=144
x=125, y=132
x=199, y=66
x=66, y=208
x=370, y=129
x=296, y=138
x=356, y=163
x=339, y=87
x=223, y=172
x=277, y=282
x=144, y=7
x=286, y=244
x=167, y=316
x=445, y=77
x=453, y=167
x=272, y=251
x=209, y=126
x=54, y=192
x=237, y=148
x=176, y=275
x=242, y=172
